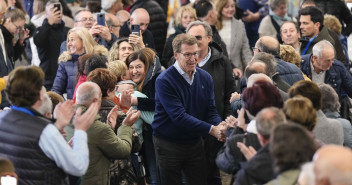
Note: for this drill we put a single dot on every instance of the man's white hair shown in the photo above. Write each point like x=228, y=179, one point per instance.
x=319, y=47
x=46, y=106
x=107, y=4
x=87, y=92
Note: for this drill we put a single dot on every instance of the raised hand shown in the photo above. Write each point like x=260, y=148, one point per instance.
x=112, y=117
x=241, y=120
x=131, y=117
x=84, y=121
x=104, y=32
x=137, y=40
x=231, y=121
x=63, y=114
x=54, y=16
x=248, y=152
x=125, y=98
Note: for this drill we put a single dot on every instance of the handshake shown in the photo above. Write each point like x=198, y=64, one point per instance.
x=219, y=131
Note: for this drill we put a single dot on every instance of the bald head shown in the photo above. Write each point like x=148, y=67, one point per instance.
x=333, y=165
x=123, y=16
x=269, y=45
x=141, y=17
x=87, y=93
x=112, y=17
x=258, y=77
x=266, y=120
x=113, y=24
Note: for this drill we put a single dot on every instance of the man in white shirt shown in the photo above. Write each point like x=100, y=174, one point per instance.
x=32, y=143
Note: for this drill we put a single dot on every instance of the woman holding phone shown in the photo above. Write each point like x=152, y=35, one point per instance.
x=12, y=28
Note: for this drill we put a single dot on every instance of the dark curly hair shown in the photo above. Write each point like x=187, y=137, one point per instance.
x=290, y=146
x=24, y=85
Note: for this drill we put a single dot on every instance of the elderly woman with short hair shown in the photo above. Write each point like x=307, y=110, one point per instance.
x=331, y=106
x=300, y=110
x=270, y=25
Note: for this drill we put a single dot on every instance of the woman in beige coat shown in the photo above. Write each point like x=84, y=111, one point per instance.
x=233, y=33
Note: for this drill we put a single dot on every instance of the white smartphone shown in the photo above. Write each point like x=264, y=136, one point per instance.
x=8, y=179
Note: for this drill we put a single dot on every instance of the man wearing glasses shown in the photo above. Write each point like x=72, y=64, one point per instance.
x=185, y=112
x=212, y=60
x=113, y=23
x=101, y=34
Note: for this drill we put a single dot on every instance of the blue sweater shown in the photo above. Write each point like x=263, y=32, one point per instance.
x=184, y=112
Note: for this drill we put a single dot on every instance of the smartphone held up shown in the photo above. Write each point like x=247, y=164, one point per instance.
x=101, y=19
x=135, y=29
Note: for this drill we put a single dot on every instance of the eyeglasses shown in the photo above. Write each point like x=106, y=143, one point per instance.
x=115, y=26
x=91, y=19
x=189, y=55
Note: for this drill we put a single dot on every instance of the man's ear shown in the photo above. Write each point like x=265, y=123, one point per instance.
x=317, y=25
x=176, y=55
x=261, y=139
x=314, y=58
x=209, y=39
x=41, y=94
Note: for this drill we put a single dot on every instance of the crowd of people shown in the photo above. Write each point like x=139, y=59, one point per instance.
x=171, y=92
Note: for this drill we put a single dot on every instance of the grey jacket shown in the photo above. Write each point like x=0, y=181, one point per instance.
x=239, y=52
x=327, y=130
x=346, y=125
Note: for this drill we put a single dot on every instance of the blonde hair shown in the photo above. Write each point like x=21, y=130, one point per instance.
x=289, y=54
x=219, y=6
x=178, y=19
x=90, y=46
x=114, y=50
x=118, y=68
x=332, y=23
x=300, y=110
